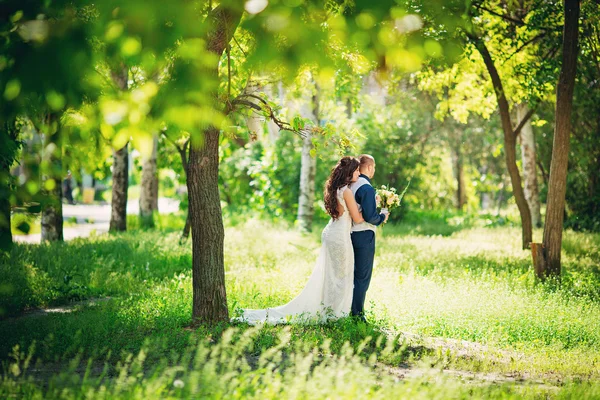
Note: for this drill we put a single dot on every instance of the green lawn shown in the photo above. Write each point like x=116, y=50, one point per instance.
x=446, y=295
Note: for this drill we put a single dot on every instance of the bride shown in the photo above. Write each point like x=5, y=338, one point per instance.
x=328, y=293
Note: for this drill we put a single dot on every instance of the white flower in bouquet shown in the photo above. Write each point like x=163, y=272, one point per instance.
x=388, y=197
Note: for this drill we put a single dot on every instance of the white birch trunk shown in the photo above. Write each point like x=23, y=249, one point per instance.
x=149, y=188
x=527, y=142
x=308, y=168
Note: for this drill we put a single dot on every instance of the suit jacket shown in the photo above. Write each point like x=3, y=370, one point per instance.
x=364, y=194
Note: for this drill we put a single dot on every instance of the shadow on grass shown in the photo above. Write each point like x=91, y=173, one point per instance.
x=117, y=264
x=110, y=330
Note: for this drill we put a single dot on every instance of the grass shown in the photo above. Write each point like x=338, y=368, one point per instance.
x=447, y=293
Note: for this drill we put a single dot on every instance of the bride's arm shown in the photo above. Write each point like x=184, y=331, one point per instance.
x=353, y=207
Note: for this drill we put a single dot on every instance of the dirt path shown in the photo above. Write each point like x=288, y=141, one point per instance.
x=442, y=351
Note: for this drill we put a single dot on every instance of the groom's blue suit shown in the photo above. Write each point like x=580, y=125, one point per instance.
x=363, y=241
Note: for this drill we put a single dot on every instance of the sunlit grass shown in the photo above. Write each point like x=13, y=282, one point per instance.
x=470, y=293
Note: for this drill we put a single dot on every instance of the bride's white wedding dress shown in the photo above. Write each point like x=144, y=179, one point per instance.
x=328, y=293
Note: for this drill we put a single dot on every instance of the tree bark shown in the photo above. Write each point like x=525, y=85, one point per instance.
x=52, y=218
x=6, y=240
x=557, y=186
x=308, y=170
x=208, y=269
x=594, y=178
x=210, y=299
x=510, y=152
x=254, y=122
x=528, y=158
x=149, y=189
x=7, y=158
x=457, y=164
x=183, y=153
x=120, y=184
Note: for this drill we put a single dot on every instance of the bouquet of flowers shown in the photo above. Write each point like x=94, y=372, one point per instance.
x=387, y=198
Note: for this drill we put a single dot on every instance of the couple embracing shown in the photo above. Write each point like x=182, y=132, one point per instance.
x=341, y=277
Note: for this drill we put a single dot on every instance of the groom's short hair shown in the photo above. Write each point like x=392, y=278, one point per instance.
x=366, y=160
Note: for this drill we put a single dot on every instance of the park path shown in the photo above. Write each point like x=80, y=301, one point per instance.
x=95, y=218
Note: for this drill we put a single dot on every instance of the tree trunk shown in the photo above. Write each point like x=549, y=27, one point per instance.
x=254, y=122
x=457, y=167
x=528, y=158
x=308, y=170
x=510, y=144
x=6, y=239
x=594, y=178
x=208, y=268
x=183, y=153
x=52, y=218
x=120, y=184
x=349, y=108
x=8, y=156
x=5, y=231
x=557, y=186
x=149, y=189
x=210, y=299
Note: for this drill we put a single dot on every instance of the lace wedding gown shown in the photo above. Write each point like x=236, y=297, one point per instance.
x=328, y=293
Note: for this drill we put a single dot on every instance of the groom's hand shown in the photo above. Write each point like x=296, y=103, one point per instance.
x=385, y=212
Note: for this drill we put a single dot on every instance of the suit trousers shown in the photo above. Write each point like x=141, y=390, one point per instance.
x=363, y=243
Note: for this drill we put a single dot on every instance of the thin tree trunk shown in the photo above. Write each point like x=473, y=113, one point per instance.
x=149, y=189
x=349, y=108
x=183, y=153
x=545, y=177
x=118, y=212
x=308, y=170
x=120, y=184
x=528, y=157
x=272, y=128
x=254, y=122
x=6, y=239
x=594, y=178
x=557, y=186
x=510, y=144
x=52, y=218
x=457, y=164
x=208, y=268
x=7, y=158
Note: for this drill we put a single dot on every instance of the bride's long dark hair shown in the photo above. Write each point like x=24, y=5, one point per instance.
x=341, y=175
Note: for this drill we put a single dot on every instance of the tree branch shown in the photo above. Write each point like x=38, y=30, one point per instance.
x=543, y=171
x=503, y=16
x=266, y=110
x=527, y=43
x=526, y=118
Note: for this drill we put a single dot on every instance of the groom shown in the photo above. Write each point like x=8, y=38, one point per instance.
x=363, y=234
